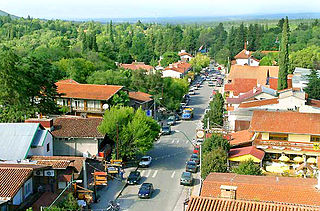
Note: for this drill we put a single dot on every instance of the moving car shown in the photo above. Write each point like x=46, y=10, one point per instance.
x=166, y=130
x=186, y=178
x=187, y=114
x=145, y=191
x=145, y=161
x=191, y=167
x=171, y=120
x=134, y=177
x=195, y=158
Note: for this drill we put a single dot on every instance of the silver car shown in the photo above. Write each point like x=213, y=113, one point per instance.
x=145, y=161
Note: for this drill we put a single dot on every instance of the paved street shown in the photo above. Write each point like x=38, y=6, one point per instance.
x=169, y=158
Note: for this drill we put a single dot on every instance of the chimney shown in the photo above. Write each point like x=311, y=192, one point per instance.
x=228, y=192
x=46, y=123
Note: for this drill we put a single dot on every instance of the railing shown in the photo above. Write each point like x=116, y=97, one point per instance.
x=81, y=109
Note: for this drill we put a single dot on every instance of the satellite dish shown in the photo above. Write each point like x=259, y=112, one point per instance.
x=105, y=106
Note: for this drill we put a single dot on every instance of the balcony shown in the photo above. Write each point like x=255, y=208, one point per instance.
x=286, y=145
x=88, y=110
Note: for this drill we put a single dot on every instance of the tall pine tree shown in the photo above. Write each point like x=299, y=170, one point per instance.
x=284, y=57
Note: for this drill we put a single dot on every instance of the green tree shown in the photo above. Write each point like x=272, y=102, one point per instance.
x=306, y=58
x=199, y=61
x=313, y=88
x=121, y=98
x=214, y=161
x=284, y=57
x=215, y=115
x=214, y=142
x=169, y=58
x=248, y=167
x=266, y=61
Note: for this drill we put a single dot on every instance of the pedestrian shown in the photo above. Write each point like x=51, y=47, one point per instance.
x=121, y=174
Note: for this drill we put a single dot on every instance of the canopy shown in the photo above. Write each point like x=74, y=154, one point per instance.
x=311, y=160
x=284, y=158
x=298, y=159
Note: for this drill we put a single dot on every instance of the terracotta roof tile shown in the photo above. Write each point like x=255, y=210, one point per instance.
x=55, y=164
x=253, y=72
x=77, y=127
x=140, y=96
x=251, y=150
x=180, y=67
x=313, y=102
x=257, y=103
x=241, y=137
x=184, y=54
x=288, y=190
x=249, y=94
x=11, y=179
x=137, y=66
x=86, y=91
x=285, y=122
x=219, y=204
x=74, y=161
x=241, y=85
x=244, y=54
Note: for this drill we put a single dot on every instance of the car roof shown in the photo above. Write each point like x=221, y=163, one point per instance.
x=191, y=162
x=146, y=156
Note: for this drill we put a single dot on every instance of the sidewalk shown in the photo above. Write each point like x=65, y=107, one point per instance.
x=110, y=192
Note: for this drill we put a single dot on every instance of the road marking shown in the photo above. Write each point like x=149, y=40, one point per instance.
x=173, y=173
x=155, y=174
x=187, y=141
x=158, y=142
x=178, y=141
x=142, y=173
x=172, y=141
x=148, y=174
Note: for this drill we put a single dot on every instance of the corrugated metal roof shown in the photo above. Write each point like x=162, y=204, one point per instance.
x=269, y=91
x=16, y=139
x=39, y=138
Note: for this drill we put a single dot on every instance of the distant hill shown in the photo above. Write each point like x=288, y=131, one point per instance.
x=190, y=19
x=3, y=13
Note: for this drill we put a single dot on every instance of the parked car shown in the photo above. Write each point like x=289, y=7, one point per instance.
x=134, y=177
x=191, y=167
x=195, y=158
x=145, y=161
x=196, y=149
x=171, y=120
x=166, y=130
x=191, y=92
x=145, y=191
x=186, y=178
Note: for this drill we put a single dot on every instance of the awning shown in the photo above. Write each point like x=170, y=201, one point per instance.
x=284, y=158
x=298, y=159
x=311, y=160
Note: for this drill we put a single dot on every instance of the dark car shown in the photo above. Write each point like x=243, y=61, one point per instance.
x=145, y=191
x=186, y=178
x=171, y=120
x=195, y=158
x=166, y=130
x=134, y=177
x=192, y=167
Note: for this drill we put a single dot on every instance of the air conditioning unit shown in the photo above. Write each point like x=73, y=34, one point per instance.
x=49, y=173
x=38, y=173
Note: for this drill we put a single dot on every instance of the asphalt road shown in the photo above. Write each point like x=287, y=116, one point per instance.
x=169, y=155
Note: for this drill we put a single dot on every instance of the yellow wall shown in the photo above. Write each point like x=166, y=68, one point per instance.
x=299, y=138
x=244, y=158
x=265, y=136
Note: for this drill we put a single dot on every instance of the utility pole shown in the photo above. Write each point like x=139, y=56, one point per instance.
x=85, y=180
x=154, y=109
x=117, y=141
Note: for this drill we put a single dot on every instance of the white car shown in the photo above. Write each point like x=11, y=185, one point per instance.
x=145, y=161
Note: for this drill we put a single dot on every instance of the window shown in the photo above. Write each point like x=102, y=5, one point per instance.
x=27, y=188
x=62, y=102
x=315, y=138
x=77, y=104
x=278, y=136
x=48, y=147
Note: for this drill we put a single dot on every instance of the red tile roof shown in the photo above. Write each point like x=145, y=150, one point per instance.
x=288, y=190
x=247, y=95
x=137, y=66
x=244, y=54
x=257, y=103
x=219, y=204
x=45, y=200
x=184, y=54
x=11, y=179
x=74, y=161
x=253, y=72
x=241, y=85
x=285, y=122
x=251, y=150
x=241, y=137
x=55, y=164
x=180, y=67
x=140, y=96
x=313, y=102
x=86, y=91
x=77, y=127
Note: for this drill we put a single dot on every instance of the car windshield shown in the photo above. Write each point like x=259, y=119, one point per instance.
x=190, y=163
x=133, y=174
x=186, y=175
x=171, y=118
x=165, y=128
x=144, y=159
x=194, y=156
x=145, y=187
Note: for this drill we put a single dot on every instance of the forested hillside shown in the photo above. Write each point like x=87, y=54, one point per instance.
x=36, y=53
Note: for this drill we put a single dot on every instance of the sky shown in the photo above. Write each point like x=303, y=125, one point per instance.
x=73, y=9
